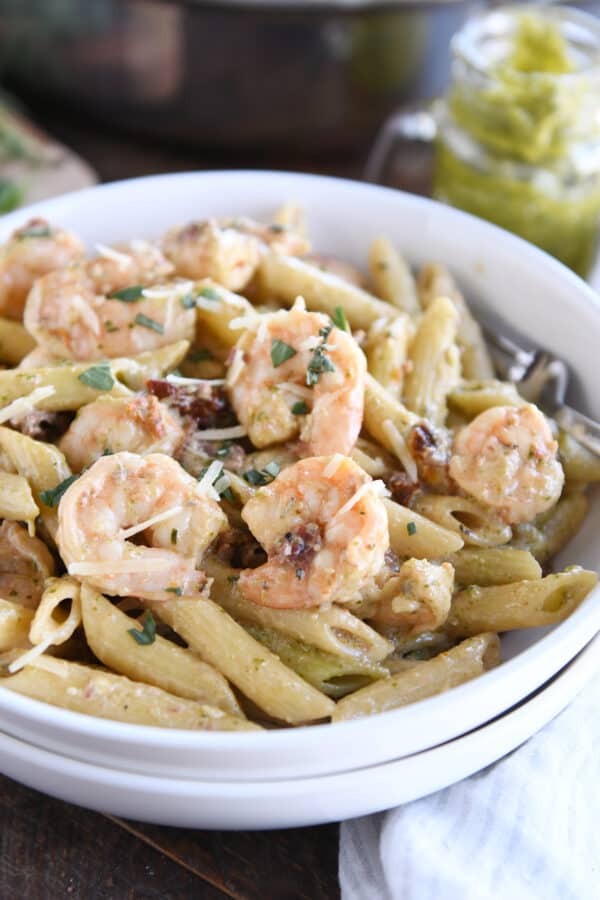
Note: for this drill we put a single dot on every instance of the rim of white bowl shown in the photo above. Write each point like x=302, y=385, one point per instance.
x=577, y=630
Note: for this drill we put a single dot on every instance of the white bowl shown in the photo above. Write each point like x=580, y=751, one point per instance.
x=501, y=275
x=298, y=801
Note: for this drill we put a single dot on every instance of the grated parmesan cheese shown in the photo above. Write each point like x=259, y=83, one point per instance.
x=299, y=390
x=333, y=465
x=168, y=291
x=400, y=448
x=22, y=406
x=222, y=434
x=377, y=487
x=243, y=322
x=122, y=259
x=191, y=382
x=30, y=655
x=299, y=304
x=236, y=368
x=153, y=520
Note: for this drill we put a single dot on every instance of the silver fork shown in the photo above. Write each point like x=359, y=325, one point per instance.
x=542, y=378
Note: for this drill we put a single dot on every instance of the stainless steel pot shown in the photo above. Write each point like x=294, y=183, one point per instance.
x=310, y=77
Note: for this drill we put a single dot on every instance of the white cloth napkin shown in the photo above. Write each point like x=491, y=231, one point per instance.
x=525, y=828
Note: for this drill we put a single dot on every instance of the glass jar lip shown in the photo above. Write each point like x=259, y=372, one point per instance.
x=578, y=24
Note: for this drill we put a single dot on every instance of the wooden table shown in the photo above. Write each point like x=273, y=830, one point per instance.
x=51, y=850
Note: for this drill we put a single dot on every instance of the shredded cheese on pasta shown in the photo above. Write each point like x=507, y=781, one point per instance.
x=333, y=465
x=22, y=406
x=377, y=487
x=153, y=520
x=236, y=368
x=222, y=434
x=122, y=259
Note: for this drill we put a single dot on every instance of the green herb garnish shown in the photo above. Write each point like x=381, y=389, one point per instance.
x=276, y=228
x=411, y=529
x=130, y=294
x=175, y=590
x=209, y=293
x=265, y=476
x=200, y=355
x=174, y=535
x=300, y=408
x=281, y=352
x=232, y=579
x=188, y=301
x=223, y=452
x=98, y=377
x=147, y=635
x=340, y=320
x=52, y=496
x=11, y=195
x=318, y=364
x=147, y=322
x=35, y=231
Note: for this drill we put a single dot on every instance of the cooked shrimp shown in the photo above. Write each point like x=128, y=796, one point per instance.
x=324, y=528
x=507, y=458
x=418, y=598
x=25, y=562
x=296, y=375
x=30, y=252
x=70, y=315
x=141, y=424
x=153, y=498
x=227, y=250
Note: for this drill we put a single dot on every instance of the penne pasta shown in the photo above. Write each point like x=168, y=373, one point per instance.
x=451, y=668
x=251, y=667
x=288, y=277
x=579, y=463
x=473, y=397
x=331, y=673
x=550, y=533
x=15, y=342
x=96, y=692
x=478, y=526
x=161, y=663
x=412, y=534
x=333, y=630
x=434, y=362
x=15, y=621
x=524, y=604
x=494, y=565
x=217, y=310
x=386, y=349
x=436, y=281
x=392, y=278
x=16, y=500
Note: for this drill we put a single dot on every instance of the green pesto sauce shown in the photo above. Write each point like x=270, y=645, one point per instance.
x=525, y=114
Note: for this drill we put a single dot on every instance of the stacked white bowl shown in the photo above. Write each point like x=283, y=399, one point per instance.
x=325, y=772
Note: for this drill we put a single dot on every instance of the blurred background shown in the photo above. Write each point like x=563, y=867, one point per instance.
x=134, y=87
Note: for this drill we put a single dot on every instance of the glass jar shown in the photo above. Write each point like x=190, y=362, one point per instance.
x=518, y=134
x=516, y=138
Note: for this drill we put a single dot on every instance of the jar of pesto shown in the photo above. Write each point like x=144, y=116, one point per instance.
x=517, y=136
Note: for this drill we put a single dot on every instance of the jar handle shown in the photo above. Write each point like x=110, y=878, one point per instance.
x=415, y=124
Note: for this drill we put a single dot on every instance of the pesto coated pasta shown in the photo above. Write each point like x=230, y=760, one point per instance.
x=245, y=486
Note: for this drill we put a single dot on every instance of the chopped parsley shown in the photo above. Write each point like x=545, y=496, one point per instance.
x=35, y=231
x=200, y=355
x=318, y=364
x=233, y=579
x=98, y=377
x=130, y=294
x=265, y=476
x=147, y=322
x=188, y=301
x=175, y=590
x=52, y=496
x=300, y=408
x=340, y=320
x=209, y=293
x=174, y=534
x=276, y=228
x=281, y=352
x=148, y=633
x=411, y=528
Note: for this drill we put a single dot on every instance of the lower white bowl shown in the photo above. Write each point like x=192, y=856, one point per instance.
x=294, y=802
x=503, y=277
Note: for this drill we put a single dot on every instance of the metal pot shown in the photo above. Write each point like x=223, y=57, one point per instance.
x=313, y=77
